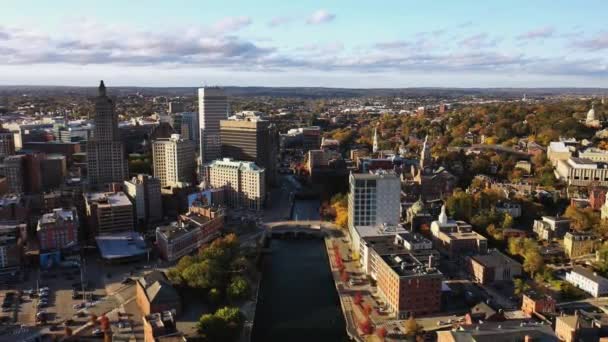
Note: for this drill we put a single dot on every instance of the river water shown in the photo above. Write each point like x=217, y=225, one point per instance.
x=298, y=299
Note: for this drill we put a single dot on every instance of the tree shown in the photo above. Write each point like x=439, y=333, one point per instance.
x=582, y=219
x=507, y=222
x=214, y=296
x=520, y=286
x=533, y=262
x=223, y=325
x=238, y=288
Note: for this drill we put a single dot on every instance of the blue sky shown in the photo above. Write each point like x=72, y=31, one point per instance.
x=446, y=43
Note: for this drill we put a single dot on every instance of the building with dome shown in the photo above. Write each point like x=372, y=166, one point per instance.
x=456, y=238
x=591, y=120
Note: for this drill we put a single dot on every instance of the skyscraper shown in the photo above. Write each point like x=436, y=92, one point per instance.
x=251, y=139
x=173, y=160
x=212, y=108
x=7, y=143
x=106, y=160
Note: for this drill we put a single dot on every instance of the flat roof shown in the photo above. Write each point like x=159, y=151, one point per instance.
x=589, y=274
x=109, y=198
x=121, y=245
x=494, y=259
x=408, y=266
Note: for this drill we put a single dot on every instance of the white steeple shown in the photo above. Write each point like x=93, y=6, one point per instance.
x=375, y=142
x=443, y=217
x=591, y=114
x=425, y=154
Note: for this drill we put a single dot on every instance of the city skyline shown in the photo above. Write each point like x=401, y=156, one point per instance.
x=398, y=44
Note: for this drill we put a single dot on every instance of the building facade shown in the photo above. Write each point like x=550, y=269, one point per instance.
x=144, y=192
x=578, y=244
x=10, y=245
x=373, y=202
x=244, y=183
x=58, y=229
x=251, y=139
x=494, y=267
x=582, y=172
x=106, y=160
x=174, y=160
x=212, y=108
x=108, y=213
x=409, y=286
x=456, y=238
x=201, y=225
x=588, y=281
x=7, y=143
x=551, y=227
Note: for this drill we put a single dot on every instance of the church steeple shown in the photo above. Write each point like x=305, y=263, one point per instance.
x=425, y=154
x=375, y=142
x=102, y=89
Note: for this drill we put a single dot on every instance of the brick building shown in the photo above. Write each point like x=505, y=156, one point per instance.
x=58, y=229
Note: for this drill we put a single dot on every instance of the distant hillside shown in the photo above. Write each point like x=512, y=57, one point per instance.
x=306, y=92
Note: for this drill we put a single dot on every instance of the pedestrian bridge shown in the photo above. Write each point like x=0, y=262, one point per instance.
x=297, y=228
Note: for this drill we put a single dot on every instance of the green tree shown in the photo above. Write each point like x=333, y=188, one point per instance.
x=520, y=286
x=238, y=288
x=214, y=296
x=507, y=221
x=223, y=325
x=533, y=262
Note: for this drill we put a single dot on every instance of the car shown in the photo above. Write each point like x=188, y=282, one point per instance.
x=7, y=309
x=97, y=332
x=54, y=328
x=78, y=306
x=41, y=305
x=68, y=322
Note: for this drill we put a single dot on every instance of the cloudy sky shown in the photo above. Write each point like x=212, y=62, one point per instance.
x=332, y=43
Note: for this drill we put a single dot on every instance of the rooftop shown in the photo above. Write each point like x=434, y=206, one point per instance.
x=494, y=258
x=236, y=164
x=175, y=230
x=376, y=174
x=589, y=274
x=408, y=266
x=62, y=214
x=121, y=245
x=108, y=198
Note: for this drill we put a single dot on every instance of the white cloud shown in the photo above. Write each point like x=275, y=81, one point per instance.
x=280, y=21
x=231, y=24
x=538, y=33
x=320, y=17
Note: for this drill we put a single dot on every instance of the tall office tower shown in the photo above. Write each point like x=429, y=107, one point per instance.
x=212, y=108
x=7, y=143
x=251, y=139
x=173, y=160
x=374, y=203
x=106, y=160
x=13, y=169
x=243, y=182
x=176, y=107
x=144, y=191
x=189, y=128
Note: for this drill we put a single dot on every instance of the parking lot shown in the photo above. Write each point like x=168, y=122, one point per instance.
x=55, y=296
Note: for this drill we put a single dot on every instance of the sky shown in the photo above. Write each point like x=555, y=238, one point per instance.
x=331, y=43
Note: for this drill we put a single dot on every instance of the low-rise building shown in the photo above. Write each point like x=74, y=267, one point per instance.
x=511, y=208
x=578, y=327
x=558, y=151
x=108, y=212
x=551, y=227
x=10, y=246
x=499, y=332
x=160, y=326
x=582, y=172
x=588, y=281
x=537, y=303
x=577, y=244
x=595, y=154
x=194, y=229
x=58, y=229
x=456, y=238
x=154, y=293
x=409, y=286
x=494, y=267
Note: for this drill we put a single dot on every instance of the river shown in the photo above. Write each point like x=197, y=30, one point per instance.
x=298, y=299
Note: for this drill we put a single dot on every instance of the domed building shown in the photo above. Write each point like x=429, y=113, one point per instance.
x=591, y=120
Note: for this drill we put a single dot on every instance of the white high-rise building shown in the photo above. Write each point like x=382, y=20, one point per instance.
x=374, y=205
x=243, y=182
x=173, y=160
x=144, y=191
x=212, y=108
